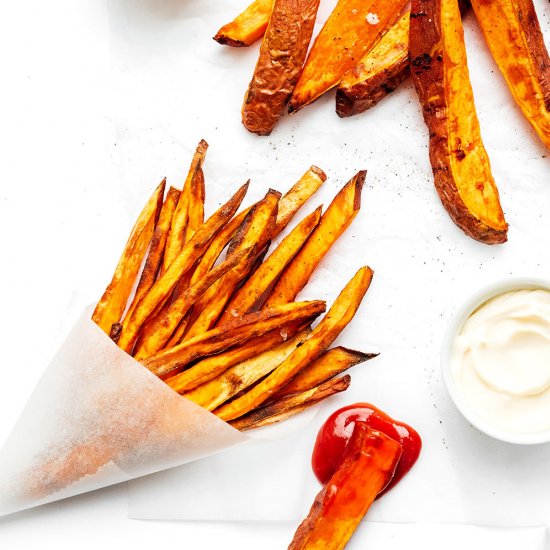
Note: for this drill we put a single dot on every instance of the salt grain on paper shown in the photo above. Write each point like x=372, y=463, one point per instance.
x=372, y=18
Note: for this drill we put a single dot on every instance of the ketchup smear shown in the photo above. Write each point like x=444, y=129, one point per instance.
x=335, y=433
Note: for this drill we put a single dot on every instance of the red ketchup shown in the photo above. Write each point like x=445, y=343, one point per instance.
x=335, y=433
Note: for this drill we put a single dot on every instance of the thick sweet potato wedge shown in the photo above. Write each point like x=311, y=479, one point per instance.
x=461, y=167
x=513, y=34
x=340, y=314
x=112, y=304
x=247, y=27
x=169, y=362
x=337, y=218
x=369, y=463
x=289, y=406
x=349, y=33
x=282, y=54
x=378, y=73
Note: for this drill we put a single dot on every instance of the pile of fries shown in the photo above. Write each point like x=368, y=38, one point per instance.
x=366, y=49
x=227, y=332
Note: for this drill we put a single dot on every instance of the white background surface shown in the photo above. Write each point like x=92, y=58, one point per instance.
x=101, y=100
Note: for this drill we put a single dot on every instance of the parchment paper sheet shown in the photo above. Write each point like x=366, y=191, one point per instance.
x=163, y=57
x=97, y=417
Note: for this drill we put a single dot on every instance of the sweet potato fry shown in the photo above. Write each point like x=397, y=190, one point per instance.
x=349, y=33
x=334, y=222
x=297, y=195
x=157, y=331
x=282, y=54
x=259, y=225
x=460, y=164
x=332, y=362
x=181, y=265
x=340, y=314
x=209, y=368
x=289, y=406
x=369, y=463
x=217, y=244
x=176, y=236
x=216, y=297
x=247, y=27
x=513, y=34
x=156, y=249
x=195, y=207
x=269, y=271
x=255, y=232
x=169, y=362
x=379, y=72
x=112, y=304
x=241, y=376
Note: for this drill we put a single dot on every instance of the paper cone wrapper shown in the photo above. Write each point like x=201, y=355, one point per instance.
x=97, y=417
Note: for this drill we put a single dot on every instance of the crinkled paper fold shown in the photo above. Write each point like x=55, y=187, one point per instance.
x=97, y=417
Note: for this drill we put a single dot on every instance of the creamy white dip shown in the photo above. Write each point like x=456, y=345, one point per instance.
x=500, y=361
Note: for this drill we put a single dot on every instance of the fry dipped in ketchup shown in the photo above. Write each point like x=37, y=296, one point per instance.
x=360, y=453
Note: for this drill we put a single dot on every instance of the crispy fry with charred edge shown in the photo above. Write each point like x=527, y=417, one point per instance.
x=332, y=362
x=460, y=164
x=269, y=271
x=349, y=33
x=334, y=222
x=282, y=54
x=156, y=249
x=369, y=464
x=181, y=264
x=297, y=195
x=176, y=236
x=209, y=368
x=112, y=304
x=255, y=231
x=216, y=246
x=157, y=331
x=195, y=206
x=169, y=362
x=379, y=72
x=220, y=292
x=340, y=314
x=290, y=405
x=241, y=376
x=247, y=27
x=513, y=34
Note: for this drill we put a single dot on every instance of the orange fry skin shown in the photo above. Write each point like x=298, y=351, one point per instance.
x=176, y=237
x=247, y=27
x=337, y=218
x=340, y=314
x=169, y=362
x=269, y=271
x=112, y=304
x=291, y=405
x=368, y=466
x=352, y=29
x=513, y=34
x=156, y=249
x=181, y=265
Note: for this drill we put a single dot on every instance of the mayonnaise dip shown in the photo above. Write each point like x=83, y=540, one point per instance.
x=500, y=361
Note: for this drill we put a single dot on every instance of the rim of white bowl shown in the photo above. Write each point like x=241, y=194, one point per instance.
x=473, y=302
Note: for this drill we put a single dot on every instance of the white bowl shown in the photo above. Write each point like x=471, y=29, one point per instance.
x=475, y=301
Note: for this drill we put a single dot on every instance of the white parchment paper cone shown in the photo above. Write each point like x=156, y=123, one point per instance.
x=97, y=417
